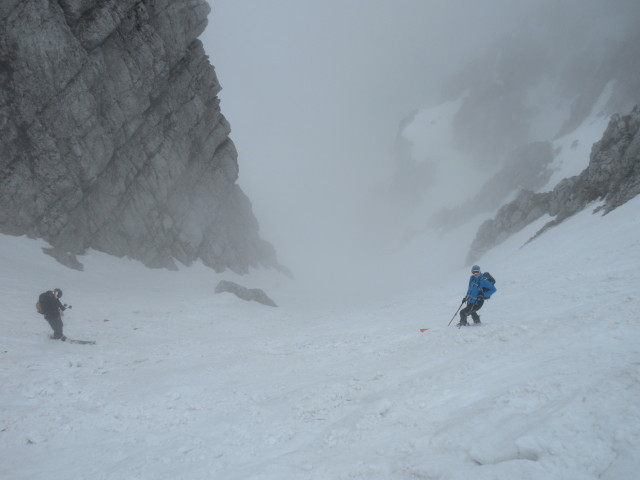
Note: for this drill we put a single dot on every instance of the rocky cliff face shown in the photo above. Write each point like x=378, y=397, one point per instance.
x=613, y=175
x=111, y=135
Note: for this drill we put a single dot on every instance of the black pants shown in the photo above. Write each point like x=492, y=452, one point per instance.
x=471, y=309
x=56, y=324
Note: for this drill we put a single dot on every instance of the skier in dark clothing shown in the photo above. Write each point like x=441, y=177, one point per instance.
x=480, y=289
x=52, y=309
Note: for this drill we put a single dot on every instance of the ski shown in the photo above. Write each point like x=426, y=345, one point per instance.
x=470, y=325
x=81, y=342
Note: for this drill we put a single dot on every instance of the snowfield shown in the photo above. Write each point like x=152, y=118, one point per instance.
x=185, y=384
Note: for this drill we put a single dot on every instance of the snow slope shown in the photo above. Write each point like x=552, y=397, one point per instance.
x=184, y=384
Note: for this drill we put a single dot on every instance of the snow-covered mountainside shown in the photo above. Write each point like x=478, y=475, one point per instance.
x=185, y=384
x=613, y=176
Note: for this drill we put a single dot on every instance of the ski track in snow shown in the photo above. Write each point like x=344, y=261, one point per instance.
x=184, y=384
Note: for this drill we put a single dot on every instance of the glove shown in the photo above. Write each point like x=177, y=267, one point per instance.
x=67, y=306
x=464, y=299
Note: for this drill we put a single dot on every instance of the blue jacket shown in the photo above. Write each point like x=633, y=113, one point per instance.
x=479, y=284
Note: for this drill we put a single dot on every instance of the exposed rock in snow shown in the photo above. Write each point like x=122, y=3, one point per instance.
x=244, y=293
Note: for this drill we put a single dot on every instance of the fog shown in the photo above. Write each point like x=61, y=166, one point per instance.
x=315, y=92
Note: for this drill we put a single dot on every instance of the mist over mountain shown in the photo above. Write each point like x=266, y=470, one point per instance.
x=542, y=80
x=112, y=138
x=512, y=119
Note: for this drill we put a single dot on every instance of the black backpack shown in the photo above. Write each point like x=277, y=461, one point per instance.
x=487, y=276
x=43, y=304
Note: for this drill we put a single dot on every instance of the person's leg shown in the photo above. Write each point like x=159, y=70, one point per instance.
x=56, y=326
x=476, y=306
x=464, y=313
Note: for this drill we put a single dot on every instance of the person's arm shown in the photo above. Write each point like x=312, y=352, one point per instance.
x=488, y=288
x=60, y=305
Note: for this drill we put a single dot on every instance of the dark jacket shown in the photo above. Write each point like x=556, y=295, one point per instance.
x=51, y=305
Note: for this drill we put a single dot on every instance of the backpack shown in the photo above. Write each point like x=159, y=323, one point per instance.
x=41, y=303
x=487, y=276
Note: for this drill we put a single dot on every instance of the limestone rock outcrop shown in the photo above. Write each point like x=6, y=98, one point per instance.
x=613, y=176
x=112, y=138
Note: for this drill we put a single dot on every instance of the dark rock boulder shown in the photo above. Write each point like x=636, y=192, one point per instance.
x=244, y=293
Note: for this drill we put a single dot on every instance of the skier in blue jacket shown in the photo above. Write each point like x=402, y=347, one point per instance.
x=480, y=289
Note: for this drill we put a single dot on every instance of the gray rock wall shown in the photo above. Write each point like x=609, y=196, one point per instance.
x=111, y=135
x=613, y=175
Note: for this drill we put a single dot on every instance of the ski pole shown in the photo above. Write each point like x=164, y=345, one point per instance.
x=454, y=315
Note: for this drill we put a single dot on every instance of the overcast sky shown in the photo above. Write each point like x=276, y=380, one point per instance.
x=335, y=77
x=315, y=90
